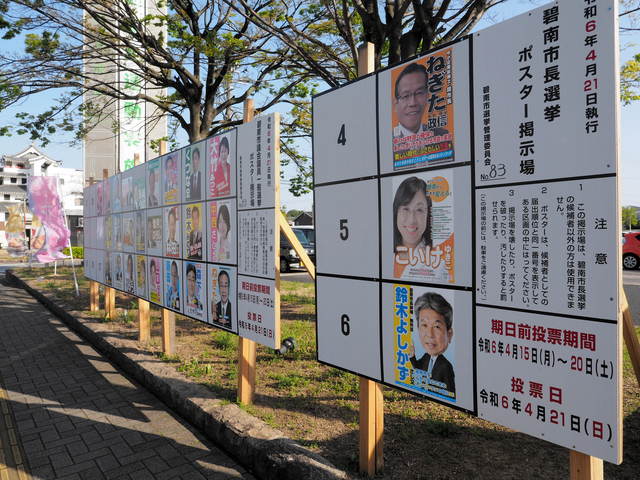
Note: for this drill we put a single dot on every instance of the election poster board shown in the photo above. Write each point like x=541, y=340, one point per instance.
x=482, y=253
x=196, y=232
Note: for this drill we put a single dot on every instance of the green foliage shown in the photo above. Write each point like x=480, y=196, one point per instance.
x=78, y=252
x=630, y=80
x=629, y=218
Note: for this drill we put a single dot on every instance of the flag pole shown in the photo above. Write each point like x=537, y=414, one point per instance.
x=64, y=217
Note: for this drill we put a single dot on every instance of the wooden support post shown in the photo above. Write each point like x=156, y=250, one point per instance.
x=371, y=401
x=144, y=320
x=110, y=294
x=371, y=426
x=246, y=347
x=585, y=467
x=168, y=331
x=246, y=370
x=629, y=335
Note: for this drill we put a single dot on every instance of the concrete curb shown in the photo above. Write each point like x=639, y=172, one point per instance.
x=264, y=451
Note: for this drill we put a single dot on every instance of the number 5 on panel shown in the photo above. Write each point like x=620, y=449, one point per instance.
x=347, y=229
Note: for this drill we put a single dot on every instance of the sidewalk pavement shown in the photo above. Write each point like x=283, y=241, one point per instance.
x=66, y=412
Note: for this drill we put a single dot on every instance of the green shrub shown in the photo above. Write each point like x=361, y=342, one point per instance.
x=78, y=252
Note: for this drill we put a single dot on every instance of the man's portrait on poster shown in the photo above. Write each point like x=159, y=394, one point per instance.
x=422, y=86
x=434, y=322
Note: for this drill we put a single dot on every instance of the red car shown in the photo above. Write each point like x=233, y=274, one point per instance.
x=631, y=250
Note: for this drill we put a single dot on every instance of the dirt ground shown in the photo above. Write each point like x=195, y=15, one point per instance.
x=317, y=405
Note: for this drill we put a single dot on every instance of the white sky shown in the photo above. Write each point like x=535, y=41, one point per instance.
x=630, y=121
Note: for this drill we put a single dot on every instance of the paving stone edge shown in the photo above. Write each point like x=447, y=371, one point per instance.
x=261, y=449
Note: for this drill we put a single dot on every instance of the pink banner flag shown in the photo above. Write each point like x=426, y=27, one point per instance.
x=45, y=202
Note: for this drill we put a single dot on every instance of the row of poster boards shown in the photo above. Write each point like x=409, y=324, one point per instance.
x=195, y=230
x=467, y=225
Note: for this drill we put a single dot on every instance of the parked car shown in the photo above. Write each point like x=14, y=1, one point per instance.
x=631, y=250
x=288, y=255
x=308, y=231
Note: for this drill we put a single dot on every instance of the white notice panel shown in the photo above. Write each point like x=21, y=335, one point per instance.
x=546, y=103
x=257, y=299
x=550, y=247
x=553, y=378
x=349, y=325
x=256, y=234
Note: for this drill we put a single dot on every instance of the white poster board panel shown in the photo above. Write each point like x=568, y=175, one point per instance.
x=90, y=225
x=424, y=322
x=348, y=326
x=551, y=110
x=140, y=179
x=100, y=266
x=344, y=133
x=256, y=311
x=550, y=247
x=258, y=147
x=421, y=212
x=100, y=233
x=89, y=195
x=346, y=222
x=222, y=308
x=195, y=273
x=256, y=234
x=423, y=107
x=555, y=379
x=221, y=165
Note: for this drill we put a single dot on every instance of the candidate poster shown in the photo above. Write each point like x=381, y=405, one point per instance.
x=117, y=230
x=140, y=187
x=108, y=233
x=117, y=193
x=172, y=235
x=99, y=200
x=153, y=177
x=155, y=280
x=128, y=233
x=141, y=227
x=118, y=274
x=154, y=232
x=222, y=290
x=194, y=275
x=221, y=233
x=194, y=166
x=222, y=164
x=173, y=284
x=141, y=276
x=108, y=271
x=127, y=191
x=171, y=169
x=428, y=346
x=194, y=241
x=130, y=274
x=100, y=232
x=106, y=191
